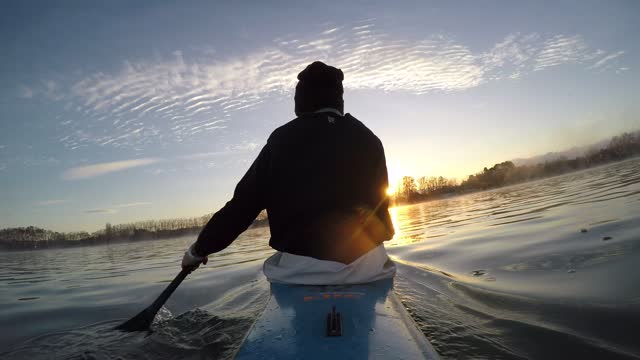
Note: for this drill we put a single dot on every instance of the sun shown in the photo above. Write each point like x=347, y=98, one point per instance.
x=391, y=191
x=395, y=173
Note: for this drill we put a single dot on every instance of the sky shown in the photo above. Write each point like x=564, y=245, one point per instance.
x=124, y=111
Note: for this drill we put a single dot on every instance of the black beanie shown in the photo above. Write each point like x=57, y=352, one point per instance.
x=319, y=86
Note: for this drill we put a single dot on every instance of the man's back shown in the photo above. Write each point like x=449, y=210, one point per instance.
x=322, y=178
x=327, y=176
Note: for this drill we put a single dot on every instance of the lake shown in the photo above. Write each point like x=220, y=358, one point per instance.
x=538, y=270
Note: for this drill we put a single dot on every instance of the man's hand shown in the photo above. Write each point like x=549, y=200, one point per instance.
x=191, y=260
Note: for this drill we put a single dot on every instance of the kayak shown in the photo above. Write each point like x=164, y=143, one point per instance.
x=364, y=321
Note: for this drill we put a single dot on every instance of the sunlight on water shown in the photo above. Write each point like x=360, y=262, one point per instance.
x=552, y=237
x=539, y=270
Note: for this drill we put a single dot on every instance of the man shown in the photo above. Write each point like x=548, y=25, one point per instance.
x=322, y=179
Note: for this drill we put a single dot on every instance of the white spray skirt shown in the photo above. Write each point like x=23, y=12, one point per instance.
x=288, y=268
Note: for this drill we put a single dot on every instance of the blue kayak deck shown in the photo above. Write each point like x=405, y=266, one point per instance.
x=375, y=325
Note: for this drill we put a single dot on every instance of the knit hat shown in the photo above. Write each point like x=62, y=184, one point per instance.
x=319, y=86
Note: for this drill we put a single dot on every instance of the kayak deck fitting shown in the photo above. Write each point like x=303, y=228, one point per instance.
x=335, y=321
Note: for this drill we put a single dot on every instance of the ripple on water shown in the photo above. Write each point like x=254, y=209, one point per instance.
x=534, y=287
x=195, y=334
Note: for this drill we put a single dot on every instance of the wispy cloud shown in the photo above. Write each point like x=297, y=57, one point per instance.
x=133, y=204
x=53, y=91
x=330, y=31
x=242, y=147
x=89, y=171
x=53, y=202
x=607, y=59
x=562, y=49
x=519, y=54
x=114, y=209
x=25, y=92
x=95, y=170
x=201, y=155
x=177, y=97
x=100, y=211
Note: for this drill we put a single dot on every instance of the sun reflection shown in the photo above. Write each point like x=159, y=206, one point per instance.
x=393, y=212
x=405, y=232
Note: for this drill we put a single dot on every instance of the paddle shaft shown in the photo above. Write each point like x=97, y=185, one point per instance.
x=143, y=320
x=169, y=290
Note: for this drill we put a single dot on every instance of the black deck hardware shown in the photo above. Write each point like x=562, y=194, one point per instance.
x=334, y=323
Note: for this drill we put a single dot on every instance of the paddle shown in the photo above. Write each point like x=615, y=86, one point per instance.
x=143, y=320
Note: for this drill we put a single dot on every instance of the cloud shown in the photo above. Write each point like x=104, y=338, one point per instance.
x=132, y=204
x=89, y=171
x=562, y=49
x=242, y=147
x=53, y=91
x=95, y=170
x=100, y=211
x=112, y=209
x=41, y=161
x=202, y=155
x=511, y=57
x=53, y=202
x=520, y=54
x=177, y=97
x=330, y=31
x=606, y=59
x=25, y=92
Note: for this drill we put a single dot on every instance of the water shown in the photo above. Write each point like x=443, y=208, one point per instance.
x=538, y=270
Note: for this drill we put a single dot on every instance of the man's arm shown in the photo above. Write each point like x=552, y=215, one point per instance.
x=378, y=224
x=382, y=210
x=249, y=198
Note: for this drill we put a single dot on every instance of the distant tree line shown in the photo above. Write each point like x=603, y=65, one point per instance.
x=506, y=173
x=32, y=237
x=411, y=190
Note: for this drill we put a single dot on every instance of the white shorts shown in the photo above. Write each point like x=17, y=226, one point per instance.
x=295, y=269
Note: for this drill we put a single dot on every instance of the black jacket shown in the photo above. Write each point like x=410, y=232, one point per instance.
x=323, y=180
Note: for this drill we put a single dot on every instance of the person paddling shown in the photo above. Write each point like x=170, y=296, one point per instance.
x=322, y=178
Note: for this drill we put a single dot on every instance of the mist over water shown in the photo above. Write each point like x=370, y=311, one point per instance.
x=538, y=270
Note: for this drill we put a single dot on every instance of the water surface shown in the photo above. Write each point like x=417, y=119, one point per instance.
x=537, y=270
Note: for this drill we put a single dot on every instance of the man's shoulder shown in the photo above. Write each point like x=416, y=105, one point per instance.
x=355, y=121
x=291, y=125
x=363, y=127
x=305, y=123
x=301, y=123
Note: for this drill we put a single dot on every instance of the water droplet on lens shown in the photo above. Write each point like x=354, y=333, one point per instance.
x=478, y=272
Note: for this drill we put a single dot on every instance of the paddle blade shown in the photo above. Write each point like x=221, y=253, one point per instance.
x=140, y=322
